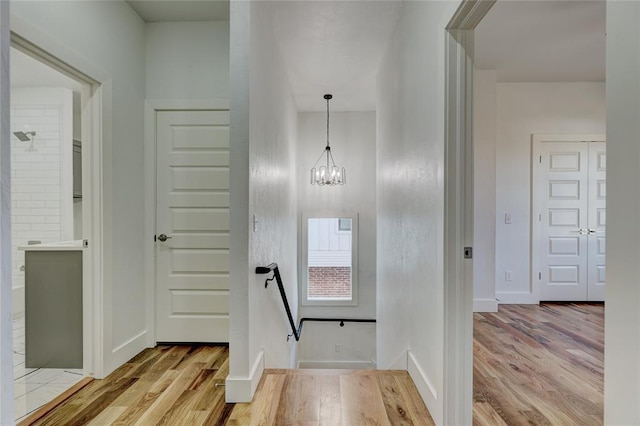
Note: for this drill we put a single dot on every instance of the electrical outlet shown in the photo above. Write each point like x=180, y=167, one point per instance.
x=508, y=276
x=255, y=223
x=507, y=218
x=338, y=348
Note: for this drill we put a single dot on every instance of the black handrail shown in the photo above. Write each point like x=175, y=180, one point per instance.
x=297, y=331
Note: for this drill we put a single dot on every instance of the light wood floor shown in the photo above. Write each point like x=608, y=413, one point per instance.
x=539, y=365
x=532, y=366
x=181, y=385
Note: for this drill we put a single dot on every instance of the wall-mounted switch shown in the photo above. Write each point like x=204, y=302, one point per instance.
x=507, y=218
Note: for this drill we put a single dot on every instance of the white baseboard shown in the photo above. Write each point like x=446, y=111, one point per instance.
x=485, y=305
x=400, y=362
x=124, y=352
x=516, y=298
x=241, y=389
x=17, y=307
x=339, y=365
x=425, y=387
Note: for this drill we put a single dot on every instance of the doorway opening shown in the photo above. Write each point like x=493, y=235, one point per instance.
x=520, y=98
x=56, y=191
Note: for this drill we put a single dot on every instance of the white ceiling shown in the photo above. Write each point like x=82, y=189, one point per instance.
x=543, y=41
x=181, y=10
x=334, y=47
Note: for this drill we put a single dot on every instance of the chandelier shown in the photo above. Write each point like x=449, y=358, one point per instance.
x=328, y=173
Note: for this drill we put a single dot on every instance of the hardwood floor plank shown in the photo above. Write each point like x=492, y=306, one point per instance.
x=415, y=404
x=180, y=381
x=96, y=406
x=107, y=417
x=362, y=402
x=286, y=413
x=241, y=415
x=265, y=408
x=539, y=365
x=308, y=408
x=330, y=401
x=394, y=404
x=57, y=401
x=485, y=414
x=147, y=394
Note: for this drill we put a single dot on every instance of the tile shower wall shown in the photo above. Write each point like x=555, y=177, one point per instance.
x=38, y=184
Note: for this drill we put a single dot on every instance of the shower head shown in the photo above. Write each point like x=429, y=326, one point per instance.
x=24, y=137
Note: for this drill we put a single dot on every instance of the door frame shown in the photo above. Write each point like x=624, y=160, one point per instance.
x=93, y=287
x=535, y=229
x=458, y=211
x=151, y=108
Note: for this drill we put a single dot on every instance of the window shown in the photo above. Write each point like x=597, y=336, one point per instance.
x=329, y=254
x=344, y=224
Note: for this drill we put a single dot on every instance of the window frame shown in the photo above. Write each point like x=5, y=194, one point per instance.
x=303, y=259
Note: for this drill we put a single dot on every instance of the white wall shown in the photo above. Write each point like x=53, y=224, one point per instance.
x=263, y=141
x=106, y=41
x=410, y=200
x=6, y=325
x=622, y=310
x=41, y=174
x=522, y=110
x=484, y=191
x=187, y=60
x=352, y=139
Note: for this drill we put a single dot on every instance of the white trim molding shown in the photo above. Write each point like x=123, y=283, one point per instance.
x=339, y=365
x=127, y=350
x=241, y=389
x=457, y=397
x=485, y=305
x=516, y=298
x=400, y=362
x=424, y=385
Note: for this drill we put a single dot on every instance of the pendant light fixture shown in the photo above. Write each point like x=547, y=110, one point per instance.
x=328, y=173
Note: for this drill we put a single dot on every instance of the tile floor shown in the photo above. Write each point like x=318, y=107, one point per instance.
x=34, y=387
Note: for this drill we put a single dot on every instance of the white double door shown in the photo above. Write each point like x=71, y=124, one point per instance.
x=192, y=226
x=569, y=195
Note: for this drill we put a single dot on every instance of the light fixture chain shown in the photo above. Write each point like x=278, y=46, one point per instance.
x=327, y=122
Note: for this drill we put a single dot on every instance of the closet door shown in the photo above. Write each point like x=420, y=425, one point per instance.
x=569, y=220
x=597, y=221
x=562, y=191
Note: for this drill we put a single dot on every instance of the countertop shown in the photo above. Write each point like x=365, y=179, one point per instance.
x=59, y=246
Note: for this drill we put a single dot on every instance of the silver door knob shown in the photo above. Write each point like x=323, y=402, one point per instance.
x=163, y=238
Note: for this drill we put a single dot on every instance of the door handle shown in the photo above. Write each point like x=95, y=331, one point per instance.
x=592, y=231
x=582, y=231
x=163, y=238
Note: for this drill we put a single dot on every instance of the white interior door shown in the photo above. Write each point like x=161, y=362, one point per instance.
x=192, y=263
x=597, y=220
x=569, y=198
x=562, y=186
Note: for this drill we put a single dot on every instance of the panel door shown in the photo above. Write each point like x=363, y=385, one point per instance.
x=597, y=221
x=563, y=215
x=192, y=264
